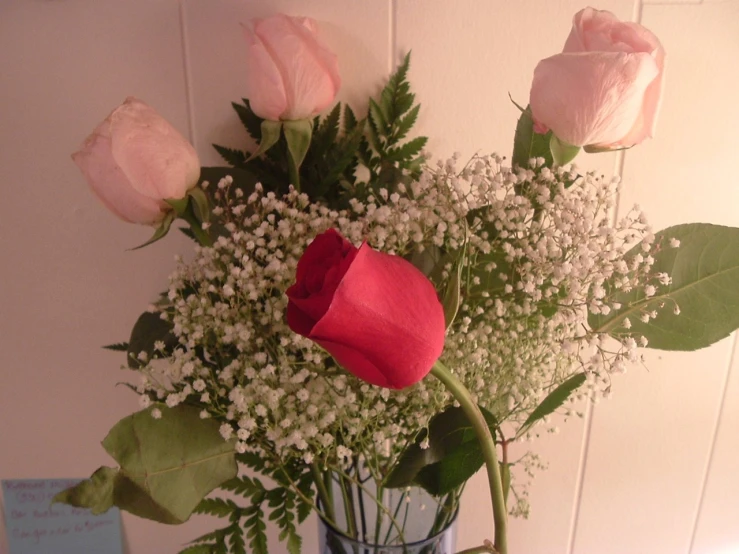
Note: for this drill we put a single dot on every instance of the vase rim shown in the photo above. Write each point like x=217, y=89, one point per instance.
x=417, y=543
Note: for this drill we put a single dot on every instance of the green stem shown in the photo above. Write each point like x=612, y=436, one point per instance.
x=351, y=518
x=487, y=443
x=328, y=506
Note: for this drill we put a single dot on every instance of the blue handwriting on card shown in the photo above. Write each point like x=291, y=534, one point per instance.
x=35, y=526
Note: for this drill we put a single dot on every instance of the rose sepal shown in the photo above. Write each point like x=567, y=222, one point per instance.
x=270, y=135
x=161, y=231
x=298, y=135
x=562, y=152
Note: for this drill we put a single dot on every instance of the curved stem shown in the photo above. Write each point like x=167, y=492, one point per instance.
x=487, y=443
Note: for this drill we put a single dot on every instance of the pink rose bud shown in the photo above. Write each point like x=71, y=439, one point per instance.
x=376, y=314
x=603, y=91
x=292, y=75
x=134, y=160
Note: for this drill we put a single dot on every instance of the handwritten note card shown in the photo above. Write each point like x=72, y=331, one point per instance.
x=34, y=526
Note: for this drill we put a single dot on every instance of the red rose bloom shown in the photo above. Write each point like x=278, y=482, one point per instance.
x=376, y=314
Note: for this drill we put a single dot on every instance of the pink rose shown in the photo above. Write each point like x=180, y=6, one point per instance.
x=376, y=314
x=292, y=75
x=134, y=160
x=603, y=91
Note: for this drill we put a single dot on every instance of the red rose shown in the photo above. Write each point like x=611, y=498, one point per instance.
x=376, y=314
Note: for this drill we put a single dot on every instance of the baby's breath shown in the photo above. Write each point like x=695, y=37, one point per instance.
x=540, y=256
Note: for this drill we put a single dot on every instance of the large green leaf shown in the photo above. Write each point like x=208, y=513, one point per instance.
x=167, y=466
x=452, y=457
x=705, y=287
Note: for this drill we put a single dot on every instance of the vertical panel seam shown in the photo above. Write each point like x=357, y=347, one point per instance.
x=582, y=464
x=717, y=427
x=185, y=46
x=392, y=35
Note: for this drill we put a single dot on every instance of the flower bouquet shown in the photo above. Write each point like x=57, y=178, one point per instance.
x=362, y=328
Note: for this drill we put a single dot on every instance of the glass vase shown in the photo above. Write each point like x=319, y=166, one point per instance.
x=409, y=521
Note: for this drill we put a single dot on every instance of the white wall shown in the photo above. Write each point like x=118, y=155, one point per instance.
x=654, y=470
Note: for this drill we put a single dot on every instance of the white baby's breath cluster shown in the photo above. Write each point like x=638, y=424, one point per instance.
x=537, y=251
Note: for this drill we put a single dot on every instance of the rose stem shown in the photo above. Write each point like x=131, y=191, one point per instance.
x=328, y=506
x=487, y=443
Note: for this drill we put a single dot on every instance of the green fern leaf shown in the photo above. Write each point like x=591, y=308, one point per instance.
x=205, y=548
x=255, y=529
x=407, y=151
x=350, y=120
x=236, y=537
x=378, y=118
x=405, y=124
x=217, y=535
x=216, y=507
x=117, y=347
x=325, y=134
x=234, y=158
x=395, y=98
x=251, y=121
x=243, y=486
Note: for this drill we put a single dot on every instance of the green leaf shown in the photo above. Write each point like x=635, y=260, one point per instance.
x=529, y=144
x=705, y=287
x=167, y=466
x=453, y=454
x=95, y=493
x=562, y=153
x=117, y=347
x=161, y=231
x=553, y=401
x=453, y=471
x=148, y=329
x=298, y=136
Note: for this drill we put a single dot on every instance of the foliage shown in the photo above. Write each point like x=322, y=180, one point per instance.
x=167, y=466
